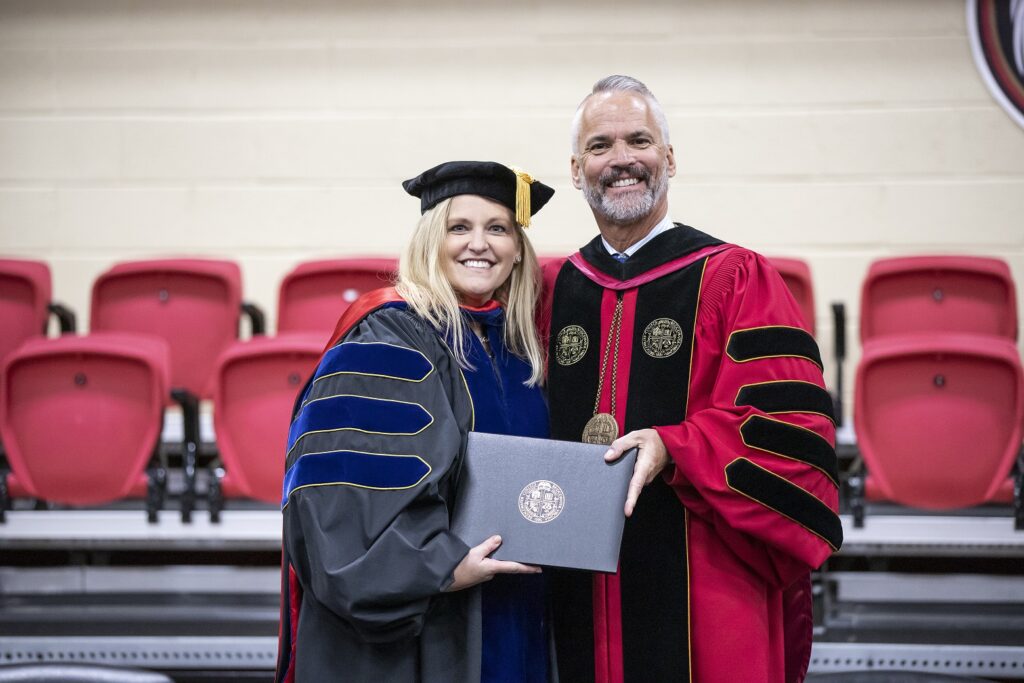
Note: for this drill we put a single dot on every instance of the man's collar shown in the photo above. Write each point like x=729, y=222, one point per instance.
x=669, y=245
x=665, y=224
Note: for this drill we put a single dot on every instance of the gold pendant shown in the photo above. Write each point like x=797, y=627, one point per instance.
x=601, y=429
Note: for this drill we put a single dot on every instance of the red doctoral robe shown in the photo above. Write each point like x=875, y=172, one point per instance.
x=714, y=574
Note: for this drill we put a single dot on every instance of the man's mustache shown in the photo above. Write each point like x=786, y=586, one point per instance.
x=610, y=175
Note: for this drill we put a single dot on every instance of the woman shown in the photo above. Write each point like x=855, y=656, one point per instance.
x=376, y=587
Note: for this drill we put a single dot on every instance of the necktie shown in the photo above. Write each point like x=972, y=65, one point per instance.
x=621, y=258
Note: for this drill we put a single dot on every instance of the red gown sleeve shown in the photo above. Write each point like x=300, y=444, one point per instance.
x=549, y=273
x=755, y=456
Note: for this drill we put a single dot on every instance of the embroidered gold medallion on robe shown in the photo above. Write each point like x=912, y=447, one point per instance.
x=600, y=429
x=571, y=345
x=662, y=338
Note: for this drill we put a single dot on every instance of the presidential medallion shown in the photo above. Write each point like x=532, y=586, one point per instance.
x=601, y=429
x=571, y=344
x=541, y=501
x=662, y=338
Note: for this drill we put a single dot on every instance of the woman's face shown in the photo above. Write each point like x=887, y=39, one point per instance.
x=480, y=247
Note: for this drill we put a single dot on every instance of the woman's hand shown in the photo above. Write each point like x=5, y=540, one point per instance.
x=476, y=567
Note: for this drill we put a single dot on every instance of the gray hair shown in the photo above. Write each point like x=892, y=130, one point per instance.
x=617, y=83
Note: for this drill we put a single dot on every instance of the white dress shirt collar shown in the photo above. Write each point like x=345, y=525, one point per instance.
x=665, y=224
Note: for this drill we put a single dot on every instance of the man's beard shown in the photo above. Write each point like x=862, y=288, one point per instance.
x=629, y=207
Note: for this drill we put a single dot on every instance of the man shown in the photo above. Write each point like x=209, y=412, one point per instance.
x=695, y=351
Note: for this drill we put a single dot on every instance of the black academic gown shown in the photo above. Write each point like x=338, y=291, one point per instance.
x=375, y=451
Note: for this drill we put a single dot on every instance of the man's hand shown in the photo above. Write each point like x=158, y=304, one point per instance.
x=476, y=567
x=650, y=461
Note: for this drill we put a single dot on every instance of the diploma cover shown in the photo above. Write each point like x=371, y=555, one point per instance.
x=555, y=503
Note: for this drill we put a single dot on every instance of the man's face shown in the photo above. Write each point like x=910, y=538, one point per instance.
x=623, y=164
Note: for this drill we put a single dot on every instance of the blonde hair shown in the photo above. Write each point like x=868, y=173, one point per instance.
x=423, y=284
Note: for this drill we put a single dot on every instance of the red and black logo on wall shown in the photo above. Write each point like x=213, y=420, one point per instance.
x=996, y=28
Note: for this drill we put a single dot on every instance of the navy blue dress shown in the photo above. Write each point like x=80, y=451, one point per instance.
x=515, y=642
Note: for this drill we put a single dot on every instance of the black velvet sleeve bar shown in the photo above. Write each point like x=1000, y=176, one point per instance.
x=772, y=342
x=786, y=498
x=789, y=441
x=787, y=396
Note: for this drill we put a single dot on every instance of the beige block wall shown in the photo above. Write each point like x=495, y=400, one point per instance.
x=274, y=132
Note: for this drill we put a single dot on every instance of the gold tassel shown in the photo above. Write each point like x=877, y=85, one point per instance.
x=523, y=181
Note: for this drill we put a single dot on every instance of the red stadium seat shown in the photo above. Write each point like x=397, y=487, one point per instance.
x=24, y=297
x=25, y=303
x=939, y=418
x=256, y=386
x=962, y=294
x=938, y=390
x=192, y=303
x=81, y=416
x=315, y=294
x=797, y=276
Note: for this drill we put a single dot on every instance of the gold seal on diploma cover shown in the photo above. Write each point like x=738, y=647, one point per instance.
x=601, y=429
x=571, y=344
x=541, y=501
x=662, y=338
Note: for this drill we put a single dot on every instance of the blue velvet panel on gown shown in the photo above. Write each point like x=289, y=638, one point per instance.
x=515, y=643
